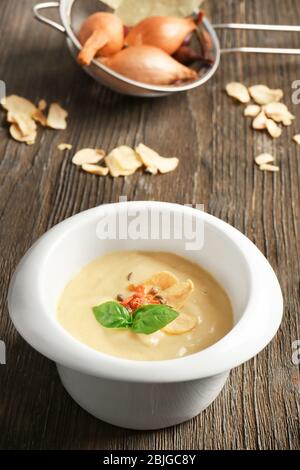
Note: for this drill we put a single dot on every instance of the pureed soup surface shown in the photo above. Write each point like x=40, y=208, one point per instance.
x=207, y=308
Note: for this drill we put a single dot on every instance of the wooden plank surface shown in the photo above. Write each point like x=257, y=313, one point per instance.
x=259, y=406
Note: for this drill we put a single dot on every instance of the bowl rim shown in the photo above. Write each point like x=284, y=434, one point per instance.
x=255, y=329
x=65, y=15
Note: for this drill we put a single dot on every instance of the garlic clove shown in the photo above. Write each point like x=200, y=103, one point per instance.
x=64, y=146
x=268, y=167
x=264, y=95
x=273, y=129
x=238, y=91
x=296, y=139
x=286, y=121
x=278, y=112
x=264, y=158
x=252, y=110
x=260, y=121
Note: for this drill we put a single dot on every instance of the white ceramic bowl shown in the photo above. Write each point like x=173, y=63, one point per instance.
x=144, y=394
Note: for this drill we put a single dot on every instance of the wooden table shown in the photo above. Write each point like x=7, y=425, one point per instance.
x=259, y=406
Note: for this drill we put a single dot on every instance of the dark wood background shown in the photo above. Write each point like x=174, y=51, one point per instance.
x=259, y=406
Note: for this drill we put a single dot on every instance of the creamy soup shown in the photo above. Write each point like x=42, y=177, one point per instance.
x=204, y=318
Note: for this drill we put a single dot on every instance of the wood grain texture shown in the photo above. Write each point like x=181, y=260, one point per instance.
x=39, y=187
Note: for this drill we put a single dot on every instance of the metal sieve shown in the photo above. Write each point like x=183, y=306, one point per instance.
x=74, y=12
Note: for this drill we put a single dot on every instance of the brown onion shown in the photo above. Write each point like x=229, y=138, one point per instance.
x=165, y=32
x=101, y=35
x=149, y=64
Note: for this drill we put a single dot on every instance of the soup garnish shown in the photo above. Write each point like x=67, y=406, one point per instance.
x=150, y=308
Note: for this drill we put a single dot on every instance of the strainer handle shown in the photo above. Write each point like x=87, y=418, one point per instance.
x=260, y=27
x=262, y=50
x=44, y=19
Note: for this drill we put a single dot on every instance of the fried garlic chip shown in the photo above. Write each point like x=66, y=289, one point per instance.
x=26, y=125
x=42, y=105
x=154, y=162
x=176, y=295
x=40, y=117
x=20, y=113
x=18, y=105
x=16, y=134
x=122, y=161
x=57, y=117
x=162, y=280
x=182, y=324
x=23, y=128
x=94, y=169
x=88, y=155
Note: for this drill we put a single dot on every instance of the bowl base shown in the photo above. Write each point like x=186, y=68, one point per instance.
x=141, y=406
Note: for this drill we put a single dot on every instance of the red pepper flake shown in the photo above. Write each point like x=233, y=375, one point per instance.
x=136, y=288
x=139, y=298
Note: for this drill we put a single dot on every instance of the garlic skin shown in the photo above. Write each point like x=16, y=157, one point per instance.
x=165, y=32
x=150, y=65
x=101, y=35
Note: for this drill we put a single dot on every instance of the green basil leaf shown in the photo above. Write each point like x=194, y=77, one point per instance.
x=150, y=318
x=112, y=315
